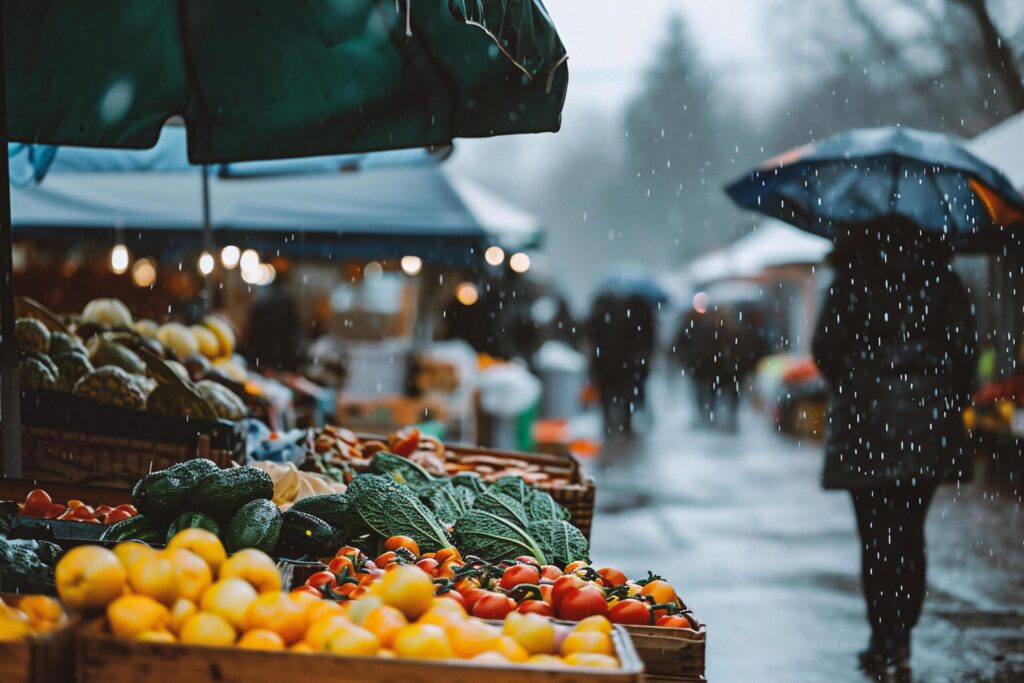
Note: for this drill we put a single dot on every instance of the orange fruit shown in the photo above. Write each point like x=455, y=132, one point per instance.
x=194, y=575
x=595, y=622
x=89, y=578
x=130, y=552
x=261, y=639
x=254, y=566
x=320, y=631
x=320, y=609
x=42, y=610
x=131, y=615
x=230, y=598
x=385, y=622
x=409, y=589
x=423, y=641
x=592, y=642
x=181, y=610
x=357, y=610
x=352, y=640
x=279, y=613
x=14, y=624
x=203, y=543
x=206, y=628
x=511, y=650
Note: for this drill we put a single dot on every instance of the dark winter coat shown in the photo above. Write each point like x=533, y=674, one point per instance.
x=895, y=341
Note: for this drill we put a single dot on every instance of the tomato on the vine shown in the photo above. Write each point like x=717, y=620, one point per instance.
x=115, y=516
x=612, y=577
x=307, y=589
x=630, y=611
x=493, y=606
x=321, y=579
x=454, y=595
x=407, y=443
x=37, y=503
x=396, y=542
x=550, y=572
x=429, y=565
x=536, y=607
x=471, y=594
x=661, y=591
x=673, y=621
x=573, y=566
x=581, y=603
x=517, y=574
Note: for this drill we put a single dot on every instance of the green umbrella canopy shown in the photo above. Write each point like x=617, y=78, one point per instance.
x=262, y=79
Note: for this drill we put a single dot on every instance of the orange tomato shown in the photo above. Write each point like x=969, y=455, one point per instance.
x=280, y=613
x=470, y=637
x=661, y=591
x=385, y=622
x=396, y=542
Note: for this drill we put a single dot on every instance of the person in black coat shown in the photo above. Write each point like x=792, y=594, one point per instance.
x=896, y=343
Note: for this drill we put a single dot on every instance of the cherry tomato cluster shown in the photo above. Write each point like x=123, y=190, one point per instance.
x=492, y=591
x=39, y=504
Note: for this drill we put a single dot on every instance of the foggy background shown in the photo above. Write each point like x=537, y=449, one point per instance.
x=669, y=100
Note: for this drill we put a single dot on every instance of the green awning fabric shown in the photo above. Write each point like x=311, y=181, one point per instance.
x=266, y=79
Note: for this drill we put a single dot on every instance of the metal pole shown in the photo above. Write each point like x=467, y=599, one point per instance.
x=10, y=401
x=207, y=238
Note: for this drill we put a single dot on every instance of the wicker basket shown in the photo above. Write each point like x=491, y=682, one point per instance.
x=67, y=438
x=672, y=653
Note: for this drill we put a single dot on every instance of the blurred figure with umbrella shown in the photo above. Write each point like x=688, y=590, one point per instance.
x=896, y=337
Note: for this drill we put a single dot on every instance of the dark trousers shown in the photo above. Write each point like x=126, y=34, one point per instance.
x=891, y=525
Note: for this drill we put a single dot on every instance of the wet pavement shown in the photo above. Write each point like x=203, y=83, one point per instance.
x=769, y=560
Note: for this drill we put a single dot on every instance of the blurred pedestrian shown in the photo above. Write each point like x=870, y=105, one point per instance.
x=895, y=342
x=622, y=335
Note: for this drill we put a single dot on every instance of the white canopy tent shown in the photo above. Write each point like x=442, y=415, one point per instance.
x=772, y=244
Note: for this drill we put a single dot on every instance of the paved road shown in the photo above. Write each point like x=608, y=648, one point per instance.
x=769, y=560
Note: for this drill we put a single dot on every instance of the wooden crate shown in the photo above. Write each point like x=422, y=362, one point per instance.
x=101, y=658
x=43, y=658
x=673, y=653
x=67, y=438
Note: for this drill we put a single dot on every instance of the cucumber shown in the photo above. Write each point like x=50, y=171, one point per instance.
x=330, y=507
x=164, y=494
x=138, y=527
x=257, y=524
x=304, y=534
x=192, y=520
x=221, y=494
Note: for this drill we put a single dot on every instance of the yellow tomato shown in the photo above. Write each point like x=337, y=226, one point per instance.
x=261, y=639
x=89, y=578
x=535, y=633
x=130, y=615
x=423, y=641
x=409, y=589
x=358, y=609
x=511, y=650
x=471, y=637
x=156, y=637
x=354, y=641
x=319, y=609
x=591, y=659
x=593, y=642
x=254, y=566
x=14, y=624
x=385, y=622
x=156, y=576
x=130, y=552
x=279, y=613
x=181, y=610
x=230, y=598
x=597, y=623
x=206, y=628
x=203, y=543
x=320, y=631
x=42, y=610
x=194, y=575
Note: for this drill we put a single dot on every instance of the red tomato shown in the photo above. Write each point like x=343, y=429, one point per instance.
x=396, y=542
x=429, y=565
x=493, y=606
x=471, y=595
x=673, y=621
x=115, y=516
x=582, y=603
x=612, y=577
x=385, y=558
x=37, y=503
x=536, y=607
x=351, y=553
x=526, y=559
x=82, y=513
x=321, y=579
x=573, y=566
x=517, y=574
x=550, y=572
x=630, y=611
x=307, y=589
x=341, y=566
x=129, y=508
x=563, y=585
x=55, y=511
x=102, y=510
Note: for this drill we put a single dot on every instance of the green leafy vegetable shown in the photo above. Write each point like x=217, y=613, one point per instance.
x=494, y=538
x=501, y=505
x=514, y=487
x=441, y=497
x=387, y=508
x=470, y=481
x=542, y=506
x=402, y=470
x=561, y=542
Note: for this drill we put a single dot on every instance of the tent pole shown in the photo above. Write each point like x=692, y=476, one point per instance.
x=207, y=238
x=10, y=402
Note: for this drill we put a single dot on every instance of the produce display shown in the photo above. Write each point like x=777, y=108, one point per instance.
x=521, y=585
x=193, y=593
x=340, y=452
x=38, y=503
x=103, y=355
x=27, y=615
